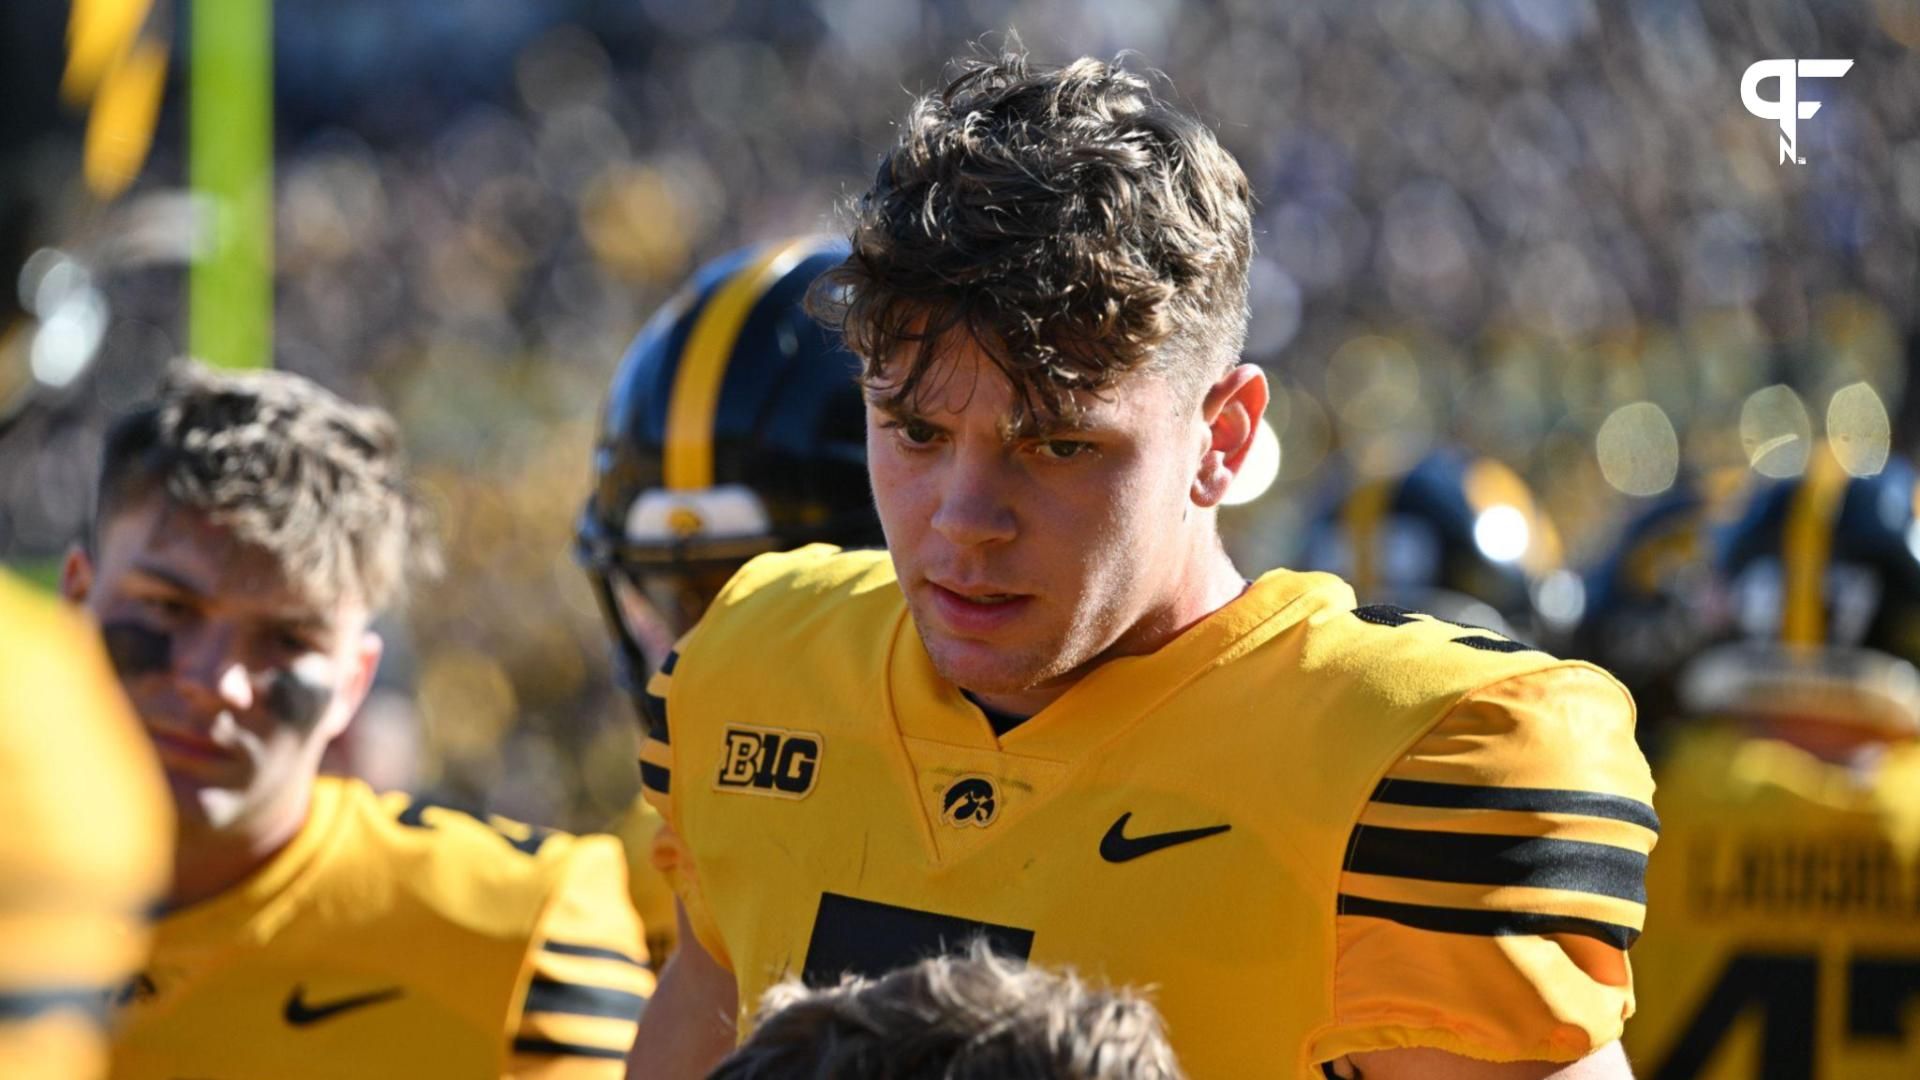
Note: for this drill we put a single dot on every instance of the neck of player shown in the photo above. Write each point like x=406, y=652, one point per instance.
x=1206, y=583
x=210, y=860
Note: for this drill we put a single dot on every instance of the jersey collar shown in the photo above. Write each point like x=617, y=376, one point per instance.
x=1117, y=694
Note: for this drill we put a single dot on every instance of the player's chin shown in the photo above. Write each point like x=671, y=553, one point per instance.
x=985, y=667
x=202, y=803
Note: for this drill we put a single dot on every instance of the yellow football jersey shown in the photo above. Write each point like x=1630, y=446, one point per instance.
x=85, y=852
x=396, y=938
x=1312, y=829
x=649, y=889
x=1784, y=938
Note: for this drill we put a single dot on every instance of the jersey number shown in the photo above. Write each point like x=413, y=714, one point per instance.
x=863, y=937
x=525, y=838
x=1784, y=987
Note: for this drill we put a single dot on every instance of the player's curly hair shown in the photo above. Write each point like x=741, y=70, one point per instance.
x=968, y=1017
x=1075, y=225
x=283, y=464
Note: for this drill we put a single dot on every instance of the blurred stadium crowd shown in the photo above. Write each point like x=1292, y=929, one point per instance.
x=1545, y=230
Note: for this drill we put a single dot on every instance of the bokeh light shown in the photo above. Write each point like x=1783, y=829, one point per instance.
x=1502, y=534
x=1859, y=430
x=1259, y=470
x=1638, y=449
x=1776, y=432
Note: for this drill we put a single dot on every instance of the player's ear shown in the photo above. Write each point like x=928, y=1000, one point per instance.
x=1231, y=411
x=76, y=576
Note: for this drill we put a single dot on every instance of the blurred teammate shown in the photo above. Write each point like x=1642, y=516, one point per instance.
x=1054, y=715
x=1456, y=536
x=734, y=427
x=972, y=1017
x=248, y=529
x=1783, y=935
x=84, y=853
x=1650, y=605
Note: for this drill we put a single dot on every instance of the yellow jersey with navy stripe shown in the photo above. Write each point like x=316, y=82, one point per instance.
x=397, y=938
x=1784, y=942
x=1313, y=828
x=85, y=851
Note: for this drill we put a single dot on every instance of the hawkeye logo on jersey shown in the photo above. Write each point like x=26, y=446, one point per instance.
x=970, y=801
x=769, y=761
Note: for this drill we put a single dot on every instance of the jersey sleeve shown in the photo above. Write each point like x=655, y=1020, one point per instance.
x=586, y=978
x=671, y=857
x=1496, y=878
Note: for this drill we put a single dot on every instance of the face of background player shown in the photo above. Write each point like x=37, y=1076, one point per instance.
x=1027, y=557
x=239, y=679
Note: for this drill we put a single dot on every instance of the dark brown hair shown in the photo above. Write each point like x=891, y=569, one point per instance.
x=971, y=1017
x=1075, y=225
x=283, y=464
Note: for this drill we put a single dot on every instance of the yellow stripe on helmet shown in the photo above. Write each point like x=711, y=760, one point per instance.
x=1807, y=548
x=688, y=454
x=1366, y=508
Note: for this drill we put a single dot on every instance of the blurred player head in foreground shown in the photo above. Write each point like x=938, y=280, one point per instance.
x=247, y=530
x=1048, y=291
x=85, y=854
x=734, y=427
x=1821, y=575
x=961, y=1017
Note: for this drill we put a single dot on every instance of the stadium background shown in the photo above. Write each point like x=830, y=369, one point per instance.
x=1544, y=229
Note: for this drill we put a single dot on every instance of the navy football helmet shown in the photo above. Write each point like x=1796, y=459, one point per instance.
x=735, y=426
x=1456, y=536
x=1651, y=604
x=1821, y=579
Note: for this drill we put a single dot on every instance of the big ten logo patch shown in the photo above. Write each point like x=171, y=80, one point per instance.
x=769, y=761
x=970, y=801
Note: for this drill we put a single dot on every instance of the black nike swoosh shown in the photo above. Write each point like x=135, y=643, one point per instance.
x=1118, y=847
x=300, y=1013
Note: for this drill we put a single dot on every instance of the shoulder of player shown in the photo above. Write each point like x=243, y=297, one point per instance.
x=792, y=591
x=1408, y=656
x=826, y=613
x=481, y=874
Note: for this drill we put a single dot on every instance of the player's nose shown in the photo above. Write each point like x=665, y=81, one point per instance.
x=208, y=665
x=973, y=506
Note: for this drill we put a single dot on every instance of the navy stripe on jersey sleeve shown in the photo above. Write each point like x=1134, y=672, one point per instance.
x=657, y=727
x=545, y=995
x=1477, y=859
x=565, y=948
x=1488, y=922
x=1534, y=800
x=657, y=777
x=528, y=1045
x=28, y=1004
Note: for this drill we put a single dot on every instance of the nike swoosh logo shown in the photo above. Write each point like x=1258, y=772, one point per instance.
x=1118, y=847
x=300, y=1012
